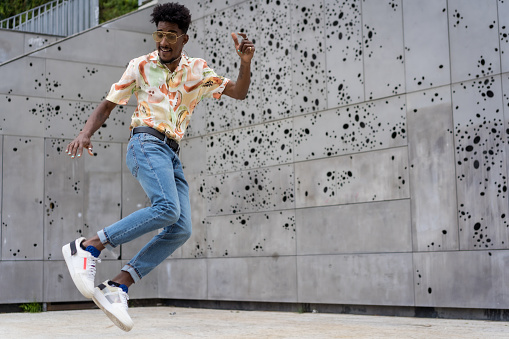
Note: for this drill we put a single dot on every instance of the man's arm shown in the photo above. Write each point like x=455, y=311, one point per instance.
x=245, y=49
x=94, y=122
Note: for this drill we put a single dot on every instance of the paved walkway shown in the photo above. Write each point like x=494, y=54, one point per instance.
x=172, y=322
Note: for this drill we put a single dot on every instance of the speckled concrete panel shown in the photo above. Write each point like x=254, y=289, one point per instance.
x=378, y=227
x=505, y=91
x=364, y=177
x=253, y=279
x=11, y=45
x=63, y=199
x=58, y=285
x=466, y=279
x=251, y=191
x=426, y=28
x=79, y=81
x=1, y=177
x=102, y=189
x=219, y=113
x=193, y=155
x=229, y=113
x=481, y=167
x=116, y=128
x=369, y=126
x=22, y=115
x=503, y=31
x=195, y=48
x=473, y=34
x=345, y=78
x=366, y=279
x=36, y=41
x=265, y=145
x=107, y=42
x=384, y=69
x=432, y=170
x=65, y=118
x=26, y=76
x=214, y=6
x=183, y=279
x=139, y=44
x=273, y=51
x=243, y=18
x=146, y=288
x=252, y=147
x=198, y=125
x=133, y=199
x=21, y=281
x=136, y=21
x=221, y=155
x=196, y=245
x=309, y=80
x=252, y=235
x=23, y=191
x=74, y=48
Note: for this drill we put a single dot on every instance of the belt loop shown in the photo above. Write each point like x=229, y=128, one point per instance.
x=165, y=139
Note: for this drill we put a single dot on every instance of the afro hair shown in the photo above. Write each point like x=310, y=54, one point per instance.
x=173, y=13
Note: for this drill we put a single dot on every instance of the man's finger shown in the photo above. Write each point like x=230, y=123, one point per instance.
x=243, y=35
x=90, y=151
x=235, y=40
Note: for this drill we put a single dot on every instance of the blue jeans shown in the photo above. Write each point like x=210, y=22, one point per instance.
x=159, y=171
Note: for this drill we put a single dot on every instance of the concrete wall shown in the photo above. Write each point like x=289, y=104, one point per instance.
x=15, y=43
x=367, y=166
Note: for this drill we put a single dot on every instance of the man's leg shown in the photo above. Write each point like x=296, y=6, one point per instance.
x=152, y=163
x=159, y=172
x=169, y=239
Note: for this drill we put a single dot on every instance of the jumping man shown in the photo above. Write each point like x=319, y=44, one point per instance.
x=168, y=85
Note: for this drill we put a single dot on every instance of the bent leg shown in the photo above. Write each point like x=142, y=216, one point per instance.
x=151, y=162
x=169, y=239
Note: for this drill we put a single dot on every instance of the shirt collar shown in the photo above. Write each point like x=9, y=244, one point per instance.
x=184, y=61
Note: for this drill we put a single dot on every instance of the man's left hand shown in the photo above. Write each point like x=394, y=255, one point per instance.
x=245, y=49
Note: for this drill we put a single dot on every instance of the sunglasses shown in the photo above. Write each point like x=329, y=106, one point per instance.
x=170, y=36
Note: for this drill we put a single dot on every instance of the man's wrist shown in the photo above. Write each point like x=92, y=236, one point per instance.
x=86, y=134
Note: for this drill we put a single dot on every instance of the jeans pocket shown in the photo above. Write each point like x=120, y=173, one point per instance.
x=131, y=161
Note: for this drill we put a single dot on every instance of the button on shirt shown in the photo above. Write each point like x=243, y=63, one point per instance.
x=166, y=99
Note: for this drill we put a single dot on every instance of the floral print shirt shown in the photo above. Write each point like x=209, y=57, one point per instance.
x=166, y=99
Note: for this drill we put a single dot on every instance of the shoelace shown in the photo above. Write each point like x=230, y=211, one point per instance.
x=124, y=297
x=92, y=262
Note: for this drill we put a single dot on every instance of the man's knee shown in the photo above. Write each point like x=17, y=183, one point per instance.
x=169, y=212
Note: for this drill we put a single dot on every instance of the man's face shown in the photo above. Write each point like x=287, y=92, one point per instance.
x=168, y=52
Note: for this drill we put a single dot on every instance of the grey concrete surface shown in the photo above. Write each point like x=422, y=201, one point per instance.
x=172, y=322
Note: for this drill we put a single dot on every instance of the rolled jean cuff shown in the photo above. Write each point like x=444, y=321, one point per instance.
x=105, y=240
x=132, y=271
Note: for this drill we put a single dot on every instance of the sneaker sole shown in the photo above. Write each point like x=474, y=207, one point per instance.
x=80, y=285
x=99, y=300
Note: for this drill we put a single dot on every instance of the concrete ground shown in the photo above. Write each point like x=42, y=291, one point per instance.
x=172, y=322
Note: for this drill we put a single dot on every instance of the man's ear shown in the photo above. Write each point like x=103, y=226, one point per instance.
x=186, y=39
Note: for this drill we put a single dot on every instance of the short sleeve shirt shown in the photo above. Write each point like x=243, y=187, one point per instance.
x=166, y=99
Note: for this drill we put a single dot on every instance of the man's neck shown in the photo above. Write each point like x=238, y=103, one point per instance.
x=172, y=64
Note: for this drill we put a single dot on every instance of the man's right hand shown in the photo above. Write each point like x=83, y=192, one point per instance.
x=75, y=147
x=96, y=120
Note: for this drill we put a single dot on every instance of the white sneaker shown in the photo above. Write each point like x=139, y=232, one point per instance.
x=113, y=301
x=81, y=265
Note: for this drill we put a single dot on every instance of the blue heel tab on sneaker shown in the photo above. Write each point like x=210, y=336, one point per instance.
x=124, y=287
x=95, y=252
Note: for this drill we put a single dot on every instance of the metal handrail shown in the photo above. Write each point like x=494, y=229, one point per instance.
x=58, y=17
